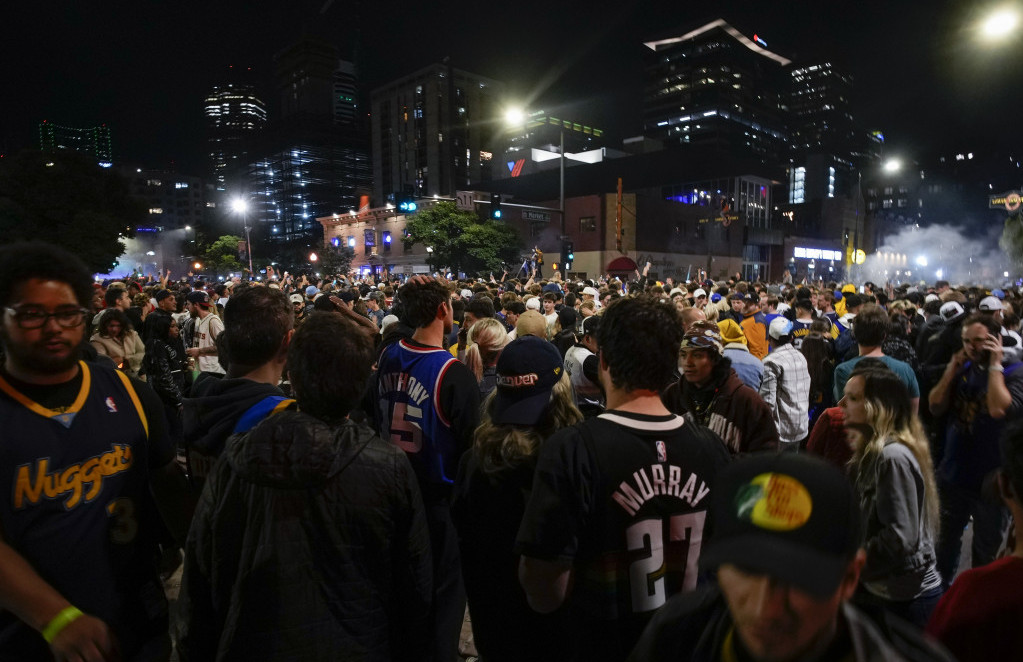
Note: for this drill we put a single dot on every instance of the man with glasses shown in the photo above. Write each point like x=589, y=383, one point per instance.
x=82, y=447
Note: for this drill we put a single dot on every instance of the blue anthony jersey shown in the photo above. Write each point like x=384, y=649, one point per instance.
x=409, y=413
x=76, y=503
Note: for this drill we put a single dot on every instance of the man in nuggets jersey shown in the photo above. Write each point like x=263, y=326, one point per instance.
x=616, y=518
x=81, y=445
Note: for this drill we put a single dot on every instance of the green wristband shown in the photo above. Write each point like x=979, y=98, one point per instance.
x=66, y=616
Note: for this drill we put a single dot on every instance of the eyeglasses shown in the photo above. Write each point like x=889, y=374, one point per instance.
x=34, y=318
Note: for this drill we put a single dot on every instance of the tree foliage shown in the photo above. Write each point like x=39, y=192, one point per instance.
x=337, y=259
x=461, y=241
x=1012, y=239
x=222, y=255
x=65, y=198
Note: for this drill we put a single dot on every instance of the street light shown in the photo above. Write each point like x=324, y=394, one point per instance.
x=892, y=165
x=516, y=118
x=240, y=206
x=1000, y=24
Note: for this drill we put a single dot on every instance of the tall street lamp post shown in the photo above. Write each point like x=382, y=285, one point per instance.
x=240, y=206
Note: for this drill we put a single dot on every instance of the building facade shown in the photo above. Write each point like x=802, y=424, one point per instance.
x=94, y=141
x=434, y=132
x=715, y=86
x=235, y=115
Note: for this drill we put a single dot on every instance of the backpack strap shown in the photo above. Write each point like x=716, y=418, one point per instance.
x=266, y=407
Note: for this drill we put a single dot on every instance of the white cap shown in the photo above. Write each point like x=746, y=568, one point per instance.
x=990, y=304
x=592, y=291
x=950, y=310
x=780, y=326
x=699, y=292
x=931, y=297
x=533, y=304
x=677, y=290
x=465, y=294
x=296, y=298
x=388, y=319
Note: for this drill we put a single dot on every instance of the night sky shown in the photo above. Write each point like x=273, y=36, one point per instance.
x=922, y=76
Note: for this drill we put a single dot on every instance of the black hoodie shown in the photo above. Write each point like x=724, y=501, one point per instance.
x=211, y=415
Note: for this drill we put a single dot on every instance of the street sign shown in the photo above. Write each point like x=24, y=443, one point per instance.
x=466, y=200
x=530, y=215
x=1010, y=200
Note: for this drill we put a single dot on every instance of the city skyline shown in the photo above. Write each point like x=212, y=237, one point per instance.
x=919, y=73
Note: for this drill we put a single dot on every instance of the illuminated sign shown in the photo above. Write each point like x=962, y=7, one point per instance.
x=816, y=253
x=1010, y=200
x=515, y=167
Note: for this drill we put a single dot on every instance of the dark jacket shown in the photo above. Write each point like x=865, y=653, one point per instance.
x=736, y=413
x=210, y=417
x=694, y=626
x=309, y=543
x=164, y=371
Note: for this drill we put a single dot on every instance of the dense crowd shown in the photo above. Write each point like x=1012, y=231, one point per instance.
x=348, y=468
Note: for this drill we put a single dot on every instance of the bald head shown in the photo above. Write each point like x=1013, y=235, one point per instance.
x=690, y=315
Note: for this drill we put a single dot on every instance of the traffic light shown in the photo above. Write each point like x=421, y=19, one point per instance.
x=495, y=206
x=407, y=204
x=567, y=254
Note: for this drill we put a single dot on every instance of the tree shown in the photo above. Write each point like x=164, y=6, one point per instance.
x=337, y=259
x=1012, y=239
x=222, y=254
x=65, y=198
x=461, y=241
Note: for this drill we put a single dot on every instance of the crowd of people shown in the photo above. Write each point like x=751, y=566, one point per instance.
x=611, y=469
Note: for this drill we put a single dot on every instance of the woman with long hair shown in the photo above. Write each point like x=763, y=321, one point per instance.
x=485, y=340
x=115, y=338
x=894, y=476
x=532, y=400
x=165, y=370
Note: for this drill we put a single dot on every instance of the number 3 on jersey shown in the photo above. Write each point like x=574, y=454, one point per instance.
x=648, y=573
x=406, y=434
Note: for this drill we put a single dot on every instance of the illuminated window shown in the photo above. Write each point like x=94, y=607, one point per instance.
x=155, y=210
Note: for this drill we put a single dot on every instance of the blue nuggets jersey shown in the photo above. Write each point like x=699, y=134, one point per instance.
x=75, y=503
x=409, y=411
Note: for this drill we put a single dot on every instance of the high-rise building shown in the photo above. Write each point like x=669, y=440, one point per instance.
x=305, y=73
x=434, y=131
x=820, y=109
x=235, y=115
x=314, y=159
x=346, y=94
x=716, y=86
x=94, y=141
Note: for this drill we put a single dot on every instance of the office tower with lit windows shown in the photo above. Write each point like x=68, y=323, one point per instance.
x=717, y=87
x=434, y=132
x=94, y=141
x=235, y=115
x=314, y=159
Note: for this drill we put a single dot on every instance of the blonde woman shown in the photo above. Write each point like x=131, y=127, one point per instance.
x=533, y=399
x=485, y=340
x=894, y=477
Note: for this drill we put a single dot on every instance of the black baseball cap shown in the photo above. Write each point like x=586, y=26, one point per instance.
x=527, y=371
x=793, y=517
x=162, y=294
x=199, y=297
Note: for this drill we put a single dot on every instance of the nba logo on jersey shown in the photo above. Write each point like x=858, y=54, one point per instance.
x=113, y=407
x=662, y=451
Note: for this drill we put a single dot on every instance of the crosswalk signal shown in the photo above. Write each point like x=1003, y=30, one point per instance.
x=495, y=206
x=407, y=204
